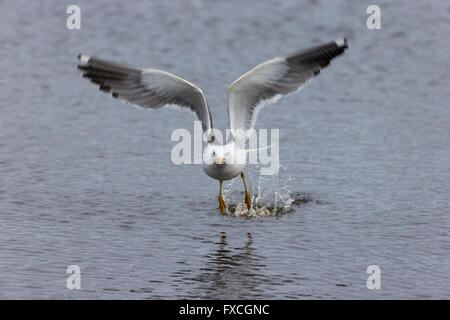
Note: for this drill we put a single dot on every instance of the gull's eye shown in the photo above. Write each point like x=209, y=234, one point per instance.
x=212, y=138
x=213, y=153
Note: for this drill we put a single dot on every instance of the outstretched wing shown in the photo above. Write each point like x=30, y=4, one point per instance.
x=267, y=82
x=147, y=88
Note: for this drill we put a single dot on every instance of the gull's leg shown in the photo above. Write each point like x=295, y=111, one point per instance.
x=222, y=204
x=247, y=195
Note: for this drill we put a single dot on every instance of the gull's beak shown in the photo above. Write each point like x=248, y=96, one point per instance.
x=220, y=160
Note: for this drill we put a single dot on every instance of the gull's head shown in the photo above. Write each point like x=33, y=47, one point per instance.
x=220, y=155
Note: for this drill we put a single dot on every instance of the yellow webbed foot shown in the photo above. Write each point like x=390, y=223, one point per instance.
x=222, y=204
x=248, y=201
x=247, y=195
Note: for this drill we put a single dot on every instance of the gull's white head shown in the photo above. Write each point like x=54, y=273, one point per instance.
x=218, y=154
x=221, y=155
x=223, y=161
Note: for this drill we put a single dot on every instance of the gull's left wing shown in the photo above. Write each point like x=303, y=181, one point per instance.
x=272, y=79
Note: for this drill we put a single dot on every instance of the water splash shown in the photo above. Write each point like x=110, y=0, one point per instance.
x=271, y=195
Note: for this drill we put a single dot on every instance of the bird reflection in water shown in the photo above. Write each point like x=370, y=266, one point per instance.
x=234, y=273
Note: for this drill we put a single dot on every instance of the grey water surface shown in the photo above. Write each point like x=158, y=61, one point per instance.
x=87, y=180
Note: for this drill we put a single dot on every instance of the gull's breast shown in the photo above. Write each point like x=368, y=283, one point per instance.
x=223, y=172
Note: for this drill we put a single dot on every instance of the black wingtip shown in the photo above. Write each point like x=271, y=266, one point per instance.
x=83, y=58
x=342, y=43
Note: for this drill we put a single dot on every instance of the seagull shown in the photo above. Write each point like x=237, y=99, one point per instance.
x=265, y=83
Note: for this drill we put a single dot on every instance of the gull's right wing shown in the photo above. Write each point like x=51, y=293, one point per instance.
x=147, y=88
